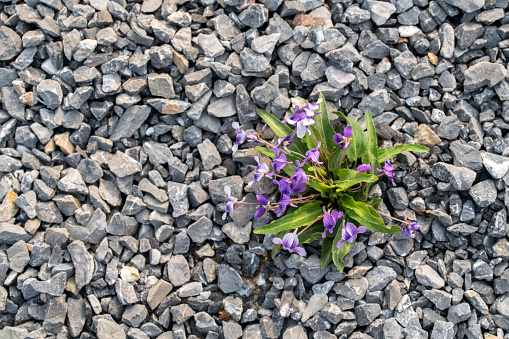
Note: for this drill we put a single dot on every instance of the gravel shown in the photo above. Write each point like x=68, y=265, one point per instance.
x=115, y=148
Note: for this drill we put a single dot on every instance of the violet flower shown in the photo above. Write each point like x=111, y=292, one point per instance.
x=241, y=136
x=297, y=188
x=230, y=202
x=283, y=203
x=408, y=228
x=302, y=121
x=313, y=106
x=279, y=161
x=265, y=206
x=343, y=140
x=299, y=175
x=330, y=220
x=261, y=171
x=283, y=186
x=290, y=242
x=313, y=155
x=349, y=233
x=388, y=170
x=363, y=168
x=285, y=142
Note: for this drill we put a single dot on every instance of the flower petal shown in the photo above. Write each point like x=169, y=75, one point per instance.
x=262, y=200
x=340, y=243
x=301, y=129
x=227, y=190
x=300, y=251
x=350, y=229
x=348, y=131
x=361, y=229
x=277, y=241
x=259, y=212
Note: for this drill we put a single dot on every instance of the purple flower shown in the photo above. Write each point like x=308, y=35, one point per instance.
x=349, y=233
x=299, y=175
x=363, y=168
x=344, y=139
x=290, y=242
x=285, y=141
x=283, y=202
x=388, y=170
x=408, y=228
x=230, y=202
x=279, y=161
x=283, y=186
x=330, y=220
x=314, y=106
x=264, y=206
x=297, y=188
x=261, y=171
x=241, y=136
x=313, y=155
x=302, y=121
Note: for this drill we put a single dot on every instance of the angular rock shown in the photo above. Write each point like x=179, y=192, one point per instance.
x=83, y=263
x=496, y=165
x=229, y=280
x=178, y=269
x=429, y=277
x=484, y=193
x=131, y=120
x=51, y=93
x=483, y=74
x=11, y=43
x=18, y=256
x=123, y=165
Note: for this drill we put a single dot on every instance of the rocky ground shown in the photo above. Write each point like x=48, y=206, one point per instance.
x=116, y=145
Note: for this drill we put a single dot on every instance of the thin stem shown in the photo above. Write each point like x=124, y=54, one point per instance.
x=323, y=141
x=325, y=180
x=305, y=228
x=390, y=216
x=296, y=153
x=343, y=151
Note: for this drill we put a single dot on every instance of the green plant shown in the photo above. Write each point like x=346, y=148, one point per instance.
x=323, y=177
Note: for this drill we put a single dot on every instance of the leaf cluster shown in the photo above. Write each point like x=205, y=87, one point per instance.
x=339, y=185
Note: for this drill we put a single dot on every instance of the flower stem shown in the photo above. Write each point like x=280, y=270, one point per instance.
x=305, y=228
x=389, y=216
x=324, y=144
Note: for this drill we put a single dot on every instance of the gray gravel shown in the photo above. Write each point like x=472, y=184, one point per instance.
x=115, y=147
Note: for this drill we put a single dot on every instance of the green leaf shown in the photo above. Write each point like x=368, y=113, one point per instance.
x=359, y=143
x=320, y=187
x=277, y=247
x=391, y=152
x=324, y=126
x=369, y=158
x=372, y=138
x=339, y=253
x=281, y=130
x=366, y=216
x=334, y=159
x=326, y=252
x=374, y=202
x=349, y=178
x=310, y=142
x=266, y=151
x=314, y=232
x=304, y=216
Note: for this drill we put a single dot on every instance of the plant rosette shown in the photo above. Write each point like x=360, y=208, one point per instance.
x=323, y=177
